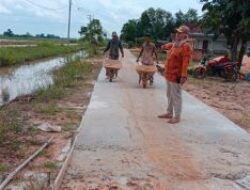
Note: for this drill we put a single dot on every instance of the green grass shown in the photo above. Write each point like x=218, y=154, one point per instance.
x=10, y=122
x=19, y=55
x=50, y=109
x=3, y=168
x=68, y=127
x=65, y=78
x=50, y=165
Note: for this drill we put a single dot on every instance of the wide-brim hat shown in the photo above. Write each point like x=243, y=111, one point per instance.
x=147, y=35
x=183, y=29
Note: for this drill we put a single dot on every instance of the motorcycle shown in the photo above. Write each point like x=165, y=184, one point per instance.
x=146, y=74
x=221, y=66
x=112, y=67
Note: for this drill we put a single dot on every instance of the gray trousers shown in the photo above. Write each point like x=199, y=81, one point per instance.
x=174, y=95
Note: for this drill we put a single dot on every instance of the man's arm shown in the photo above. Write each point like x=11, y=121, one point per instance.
x=187, y=55
x=167, y=46
x=142, y=49
x=121, y=49
x=156, y=55
x=107, y=48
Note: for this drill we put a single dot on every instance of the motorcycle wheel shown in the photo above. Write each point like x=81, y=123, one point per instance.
x=200, y=73
x=229, y=74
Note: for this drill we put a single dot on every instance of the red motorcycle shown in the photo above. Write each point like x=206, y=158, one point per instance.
x=220, y=66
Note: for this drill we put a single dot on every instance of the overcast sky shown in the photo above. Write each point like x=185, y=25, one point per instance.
x=50, y=16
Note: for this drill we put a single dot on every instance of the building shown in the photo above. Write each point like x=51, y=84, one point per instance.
x=206, y=43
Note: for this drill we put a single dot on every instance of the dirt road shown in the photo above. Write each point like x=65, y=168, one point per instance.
x=122, y=144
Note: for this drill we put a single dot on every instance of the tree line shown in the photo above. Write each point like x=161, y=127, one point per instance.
x=157, y=22
x=229, y=18
x=9, y=33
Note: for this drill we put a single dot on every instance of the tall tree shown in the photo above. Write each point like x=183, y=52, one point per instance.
x=9, y=33
x=92, y=34
x=179, y=18
x=159, y=23
x=230, y=18
x=190, y=17
x=129, y=32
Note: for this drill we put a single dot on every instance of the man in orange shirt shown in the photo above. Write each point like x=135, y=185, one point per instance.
x=179, y=56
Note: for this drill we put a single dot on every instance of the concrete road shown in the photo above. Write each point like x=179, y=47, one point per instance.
x=123, y=145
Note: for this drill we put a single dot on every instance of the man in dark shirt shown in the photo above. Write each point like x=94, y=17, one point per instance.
x=114, y=46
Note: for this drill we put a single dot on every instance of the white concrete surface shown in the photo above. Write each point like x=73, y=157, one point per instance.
x=123, y=143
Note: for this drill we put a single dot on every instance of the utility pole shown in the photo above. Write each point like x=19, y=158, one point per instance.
x=90, y=18
x=69, y=19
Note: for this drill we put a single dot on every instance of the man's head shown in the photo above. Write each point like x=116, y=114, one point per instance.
x=114, y=35
x=182, y=33
x=147, y=38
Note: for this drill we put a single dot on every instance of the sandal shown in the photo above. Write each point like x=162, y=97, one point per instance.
x=166, y=116
x=174, y=120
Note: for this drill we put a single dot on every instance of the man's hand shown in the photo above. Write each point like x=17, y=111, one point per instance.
x=183, y=80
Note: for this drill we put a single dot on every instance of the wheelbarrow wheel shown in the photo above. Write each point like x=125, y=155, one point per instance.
x=111, y=75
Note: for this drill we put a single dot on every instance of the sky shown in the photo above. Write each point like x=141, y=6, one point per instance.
x=51, y=16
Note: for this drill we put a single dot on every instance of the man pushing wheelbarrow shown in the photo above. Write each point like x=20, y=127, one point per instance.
x=146, y=68
x=112, y=64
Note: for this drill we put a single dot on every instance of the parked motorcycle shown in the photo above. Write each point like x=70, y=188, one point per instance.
x=221, y=66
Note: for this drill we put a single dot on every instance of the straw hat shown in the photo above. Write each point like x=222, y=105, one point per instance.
x=183, y=29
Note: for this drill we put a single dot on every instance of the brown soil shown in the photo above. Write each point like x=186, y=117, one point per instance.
x=68, y=114
x=231, y=99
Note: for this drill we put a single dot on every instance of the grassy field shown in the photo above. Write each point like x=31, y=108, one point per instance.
x=57, y=105
x=18, y=55
x=67, y=77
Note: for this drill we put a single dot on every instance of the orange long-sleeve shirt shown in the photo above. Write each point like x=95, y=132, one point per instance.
x=177, y=61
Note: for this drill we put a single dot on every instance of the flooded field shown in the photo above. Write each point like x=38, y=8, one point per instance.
x=25, y=79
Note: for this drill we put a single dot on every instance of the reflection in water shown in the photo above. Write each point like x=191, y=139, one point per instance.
x=28, y=78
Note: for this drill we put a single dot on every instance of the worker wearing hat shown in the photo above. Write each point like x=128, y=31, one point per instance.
x=148, y=53
x=114, y=46
x=179, y=56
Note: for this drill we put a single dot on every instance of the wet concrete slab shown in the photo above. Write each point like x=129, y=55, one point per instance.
x=123, y=144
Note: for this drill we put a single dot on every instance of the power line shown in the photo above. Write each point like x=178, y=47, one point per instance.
x=44, y=7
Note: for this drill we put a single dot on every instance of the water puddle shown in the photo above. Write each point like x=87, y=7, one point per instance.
x=25, y=79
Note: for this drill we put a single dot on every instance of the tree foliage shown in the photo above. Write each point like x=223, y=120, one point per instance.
x=8, y=33
x=129, y=31
x=92, y=34
x=230, y=18
x=157, y=22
